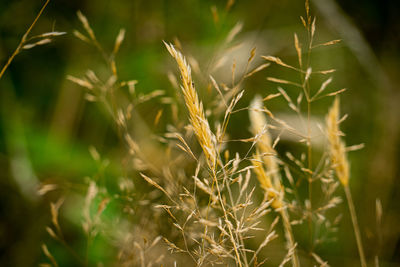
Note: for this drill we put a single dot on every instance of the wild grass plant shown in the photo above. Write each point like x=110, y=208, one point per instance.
x=203, y=203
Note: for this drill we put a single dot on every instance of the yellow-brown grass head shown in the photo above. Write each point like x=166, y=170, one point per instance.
x=337, y=147
x=269, y=177
x=197, y=117
x=265, y=181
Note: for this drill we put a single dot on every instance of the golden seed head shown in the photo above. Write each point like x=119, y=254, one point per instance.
x=337, y=147
x=265, y=181
x=264, y=143
x=269, y=177
x=197, y=117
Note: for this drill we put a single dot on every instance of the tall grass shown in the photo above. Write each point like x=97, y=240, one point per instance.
x=222, y=207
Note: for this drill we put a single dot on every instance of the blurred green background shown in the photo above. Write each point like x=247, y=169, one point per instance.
x=46, y=126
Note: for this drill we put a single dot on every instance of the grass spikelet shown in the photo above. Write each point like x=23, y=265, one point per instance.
x=153, y=183
x=278, y=61
x=118, y=41
x=333, y=42
x=40, y=42
x=298, y=49
x=197, y=117
x=233, y=32
x=277, y=80
x=86, y=24
x=158, y=117
x=80, y=82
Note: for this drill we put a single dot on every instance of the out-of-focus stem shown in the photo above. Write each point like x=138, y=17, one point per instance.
x=289, y=236
x=239, y=262
x=355, y=225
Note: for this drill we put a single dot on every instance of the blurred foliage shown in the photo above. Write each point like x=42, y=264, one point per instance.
x=46, y=126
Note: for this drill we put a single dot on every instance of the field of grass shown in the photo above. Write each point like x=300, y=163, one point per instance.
x=199, y=133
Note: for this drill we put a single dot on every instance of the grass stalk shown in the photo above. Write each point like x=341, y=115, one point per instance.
x=356, y=227
x=289, y=236
x=227, y=220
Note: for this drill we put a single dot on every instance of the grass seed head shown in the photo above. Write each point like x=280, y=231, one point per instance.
x=337, y=147
x=264, y=144
x=197, y=117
